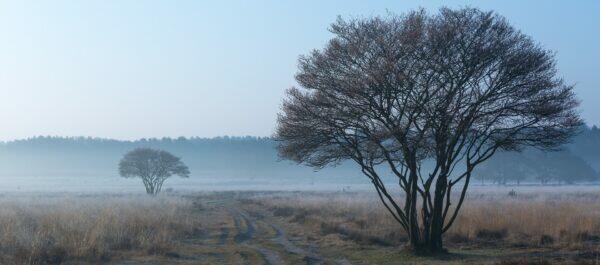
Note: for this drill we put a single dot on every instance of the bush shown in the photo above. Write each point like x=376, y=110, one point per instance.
x=490, y=234
x=283, y=211
x=524, y=262
x=457, y=238
x=587, y=237
x=546, y=240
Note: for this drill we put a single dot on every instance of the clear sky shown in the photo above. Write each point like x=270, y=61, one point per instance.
x=131, y=69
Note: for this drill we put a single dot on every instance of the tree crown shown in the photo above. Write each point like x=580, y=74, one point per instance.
x=151, y=163
x=453, y=86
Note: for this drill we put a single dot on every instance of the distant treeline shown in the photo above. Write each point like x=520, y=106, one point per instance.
x=91, y=157
x=579, y=161
x=251, y=156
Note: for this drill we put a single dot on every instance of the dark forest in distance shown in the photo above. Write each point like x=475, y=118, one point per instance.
x=253, y=156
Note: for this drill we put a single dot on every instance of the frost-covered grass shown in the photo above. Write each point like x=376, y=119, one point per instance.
x=532, y=217
x=52, y=228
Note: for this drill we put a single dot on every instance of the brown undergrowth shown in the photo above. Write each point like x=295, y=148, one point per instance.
x=522, y=219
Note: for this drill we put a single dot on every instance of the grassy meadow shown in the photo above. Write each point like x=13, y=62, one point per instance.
x=529, y=226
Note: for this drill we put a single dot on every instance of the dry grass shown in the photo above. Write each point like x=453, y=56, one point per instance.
x=568, y=220
x=529, y=219
x=47, y=229
x=42, y=229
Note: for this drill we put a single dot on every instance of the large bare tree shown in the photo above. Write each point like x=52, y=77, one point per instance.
x=452, y=88
x=152, y=166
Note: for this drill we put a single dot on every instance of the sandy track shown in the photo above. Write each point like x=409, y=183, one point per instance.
x=250, y=237
x=236, y=235
x=246, y=236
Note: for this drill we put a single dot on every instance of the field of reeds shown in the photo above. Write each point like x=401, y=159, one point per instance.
x=499, y=226
x=557, y=221
x=55, y=228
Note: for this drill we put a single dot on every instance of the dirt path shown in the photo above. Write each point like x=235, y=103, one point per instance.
x=256, y=231
x=246, y=236
x=281, y=239
x=235, y=234
x=285, y=246
x=235, y=230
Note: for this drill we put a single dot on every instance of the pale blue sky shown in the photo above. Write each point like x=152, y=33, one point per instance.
x=132, y=69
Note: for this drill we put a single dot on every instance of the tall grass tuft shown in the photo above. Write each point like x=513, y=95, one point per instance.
x=42, y=229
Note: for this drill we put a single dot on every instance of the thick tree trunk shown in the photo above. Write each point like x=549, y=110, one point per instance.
x=150, y=189
x=437, y=222
x=427, y=245
x=152, y=192
x=427, y=240
x=413, y=221
x=425, y=234
x=410, y=208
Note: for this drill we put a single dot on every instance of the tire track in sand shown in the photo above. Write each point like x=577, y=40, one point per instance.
x=244, y=238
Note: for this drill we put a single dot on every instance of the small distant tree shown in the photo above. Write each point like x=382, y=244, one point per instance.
x=152, y=166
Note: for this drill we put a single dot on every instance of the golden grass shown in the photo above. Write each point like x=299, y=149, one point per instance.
x=51, y=229
x=531, y=218
x=569, y=221
x=47, y=229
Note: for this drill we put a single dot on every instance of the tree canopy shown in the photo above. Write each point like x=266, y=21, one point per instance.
x=152, y=166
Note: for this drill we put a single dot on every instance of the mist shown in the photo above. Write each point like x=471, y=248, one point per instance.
x=83, y=164
x=303, y=133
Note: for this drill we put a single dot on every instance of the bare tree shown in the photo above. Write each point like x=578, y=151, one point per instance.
x=152, y=166
x=451, y=88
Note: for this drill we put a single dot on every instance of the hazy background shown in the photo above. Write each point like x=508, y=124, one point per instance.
x=134, y=69
x=250, y=163
x=100, y=76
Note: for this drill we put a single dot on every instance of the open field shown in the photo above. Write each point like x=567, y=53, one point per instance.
x=552, y=226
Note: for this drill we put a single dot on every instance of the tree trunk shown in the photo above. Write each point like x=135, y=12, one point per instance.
x=428, y=239
x=150, y=189
x=414, y=233
x=422, y=244
x=413, y=222
x=434, y=242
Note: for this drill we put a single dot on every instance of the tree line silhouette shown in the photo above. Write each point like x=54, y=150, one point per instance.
x=257, y=156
